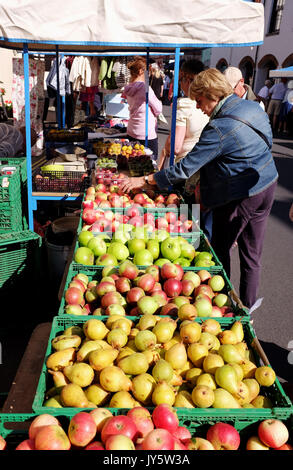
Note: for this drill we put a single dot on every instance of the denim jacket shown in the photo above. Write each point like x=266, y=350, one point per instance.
x=234, y=161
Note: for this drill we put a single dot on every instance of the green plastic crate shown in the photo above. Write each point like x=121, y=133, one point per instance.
x=14, y=427
x=282, y=406
x=95, y=273
x=18, y=252
x=10, y=218
x=21, y=165
x=10, y=192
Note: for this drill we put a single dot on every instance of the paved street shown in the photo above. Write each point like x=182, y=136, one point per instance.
x=273, y=319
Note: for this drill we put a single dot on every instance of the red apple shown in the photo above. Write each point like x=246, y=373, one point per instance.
x=273, y=433
x=178, y=445
x=146, y=282
x=133, y=211
x=223, y=436
x=111, y=298
x=182, y=433
x=73, y=296
x=172, y=287
x=285, y=447
x=119, y=424
x=204, y=289
x=95, y=445
x=119, y=442
x=52, y=437
x=169, y=309
x=171, y=217
x=89, y=216
x=254, y=443
x=133, y=296
x=40, y=421
x=158, y=439
x=82, y=429
x=88, y=204
x=139, y=199
x=142, y=419
x=27, y=444
x=161, y=223
x=199, y=443
x=123, y=284
x=3, y=443
x=164, y=416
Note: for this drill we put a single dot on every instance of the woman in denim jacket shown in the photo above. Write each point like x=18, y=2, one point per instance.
x=237, y=173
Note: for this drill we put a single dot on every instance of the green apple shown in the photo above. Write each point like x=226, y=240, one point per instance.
x=143, y=258
x=147, y=305
x=107, y=260
x=121, y=236
x=161, y=261
x=135, y=244
x=221, y=300
x=84, y=255
x=98, y=246
x=154, y=247
x=139, y=232
x=216, y=282
x=119, y=250
x=187, y=251
x=84, y=237
x=170, y=248
x=184, y=262
x=161, y=235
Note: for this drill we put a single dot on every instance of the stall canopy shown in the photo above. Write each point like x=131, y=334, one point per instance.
x=100, y=24
x=286, y=72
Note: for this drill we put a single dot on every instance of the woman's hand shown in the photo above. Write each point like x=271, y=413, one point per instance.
x=132, y=183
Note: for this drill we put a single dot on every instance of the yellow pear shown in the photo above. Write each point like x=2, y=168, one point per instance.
x=211, y=362
x=208, y=380
x=265, y=376
x=59, y=378
x=84, y=351
x=237, y=328
x=253, y=387
x=53, y=402
x=230, y=354
x=65, y=341
x=101, y=358
x=248, y=368
x=97, y=395
x=72, y=395
x=176, y=356
x=192, y=375
x=183, y=400
x=202, y=396
x=122, y=323
x=211, y=326
x=190, y=332
x=79, y=373
x=95, y=329
x=143, y=386
x=224, y=399
x=113, y=379
x=207, y=339
x=196, y=353
x=163, y=393
x=242, y=348
x=262, y=402
x=60, y=359
x=238, y=369
x=227, y=337
x=122, y=399
x=242, y=395
x=135, y=364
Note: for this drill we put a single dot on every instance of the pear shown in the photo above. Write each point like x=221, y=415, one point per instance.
x=265, y=376
x=80, y=374
x=72, y=395
x=224, y=399
x=211, y=362
x=133, y=333
x=74, y=330
x=152, y=356
x=248, y=405
x=60, y=359
x=135, y=364
x=53, y=402
x=242, y=348
x=164, y=330
x=242, y=395
x=196, y=353
x=248, y=368
x=262, y=402
x=101, y=358
x=146, y=322
x=216, y=346
x=226, y=378
x=183, y=371
x=113, y=379
x=202, y=396
x=190, y=332
x=176, y=380
x=162, y=371
x=238, y=369
x=175, y=340
x=122, y=323
x=253, y=387
x=95, y=329
x=163, y=393
x=208, y=340
x=208, y=380
x=237, y=328
x=97, y=395
x=124, y=352
x=192, y=375
x=84, y=351
x=65, y=341
x=112, y=318
x=131, y=345
x=228, y=337
x=230, y=354
x=59, y=378
x=183, y=400
x=143, y=386
x=117, y=338
x=145, y=339
x=211, y=326
x=122, y=399
x=176, y=356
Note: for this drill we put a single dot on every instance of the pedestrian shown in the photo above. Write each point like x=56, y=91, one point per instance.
x=277, y=94
x=238, y=174
x=156, y=80
x=263, y=94
x=286, y=108
x=241, y=89
x=135, y=94
x=167, y=82
x=13, y=140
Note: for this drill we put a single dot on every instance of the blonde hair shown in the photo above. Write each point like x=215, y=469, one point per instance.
x=210, y=83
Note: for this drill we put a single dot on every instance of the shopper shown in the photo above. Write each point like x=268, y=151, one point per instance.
x=238, y=174
x=277, y=94
x=286, y=108
x=13, y=140
x=263, y=94
x=241, y=89
x=156, y=80
x=135, y=94
x=167, y=81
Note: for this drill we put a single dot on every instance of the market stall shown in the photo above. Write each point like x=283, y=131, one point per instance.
x=163, y=359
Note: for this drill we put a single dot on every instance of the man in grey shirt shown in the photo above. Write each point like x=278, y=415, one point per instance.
x=13, y=140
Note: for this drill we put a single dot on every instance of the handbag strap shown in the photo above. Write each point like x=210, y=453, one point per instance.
x=231, y=116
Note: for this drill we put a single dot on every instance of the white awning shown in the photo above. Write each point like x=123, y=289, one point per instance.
x=100, y=25
x=286, y=72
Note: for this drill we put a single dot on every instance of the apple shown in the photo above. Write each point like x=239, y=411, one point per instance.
x=135, y=245
x=147, y=305
x=115, y=309
x=199, y=443
x=39, y=422
x=160, y=297
x=143, y=258
x=193, y=277
x=223, y=436
x=216, y=282
x=217, y=312
x=171, y=217
x=178, y=445
x=170, y=248
x=164, y=416
x=254, y=443
x=285, y=447
x=78, y=284
x=84, y=255
x=188, y=251
x=161, y=223
x=187, y=287
x=74, y=309
x=119, y=442
x=123, y=284
x=170, y=309
x=221, y=300
x=154, y=271
x=82, y=429
x=97, y=246
x=160, y=199
x=52, y=437
x=172, y=287
x=3, y=443
x=84, y=237
x=158, y=439
x=187, y=225
x=119, y=250
x=27, y=444
x=107, y=259
x=154, y=247
x=95, y=445
x=136, y=221
x=139, y=198
x=142, y=419
x=103, y=287
x=133, y=296
x=119, y=424
x=73, y=296
x=273, y=433
x=204, y=289
x=111, y=298
x=146, y=281
x=89, y=216
x=128, y=269
x=169, y=271
x=88, y=204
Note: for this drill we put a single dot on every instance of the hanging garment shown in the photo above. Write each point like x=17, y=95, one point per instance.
x=64, y=84
x=37, y=97
x=80, y=73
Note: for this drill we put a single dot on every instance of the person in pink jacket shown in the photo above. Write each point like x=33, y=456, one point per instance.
x=135, y=94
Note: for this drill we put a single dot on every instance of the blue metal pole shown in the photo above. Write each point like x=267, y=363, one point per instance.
x=174, y=104
x=63, y=105
x=147, y=99
x=31, y=206
x=58, y=89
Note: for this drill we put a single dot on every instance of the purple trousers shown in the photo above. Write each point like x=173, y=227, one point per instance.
x=244, y=221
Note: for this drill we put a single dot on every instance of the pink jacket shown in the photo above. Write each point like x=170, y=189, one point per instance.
x=135, y=95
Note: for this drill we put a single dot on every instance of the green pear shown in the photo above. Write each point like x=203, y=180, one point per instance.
x=265, y=376
x=135, y=364
x=237, y=328
x=176, y=356
x=163, y=393
x=196, y=353
x=97, y=395
x=74, y=330
x=84, y=351
x=208, y=340
x=224, y=399
x=192, y=375
x=230, y=354
x=202, y=396
x=122, y=399
x=238, y=369
x=80, y=373
x=226, y=378
x=53, y=402
x=248, y=368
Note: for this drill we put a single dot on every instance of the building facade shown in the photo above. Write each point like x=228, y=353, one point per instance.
x=275, y=52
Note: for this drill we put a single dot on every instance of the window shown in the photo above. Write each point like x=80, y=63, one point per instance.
x=277, y=12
